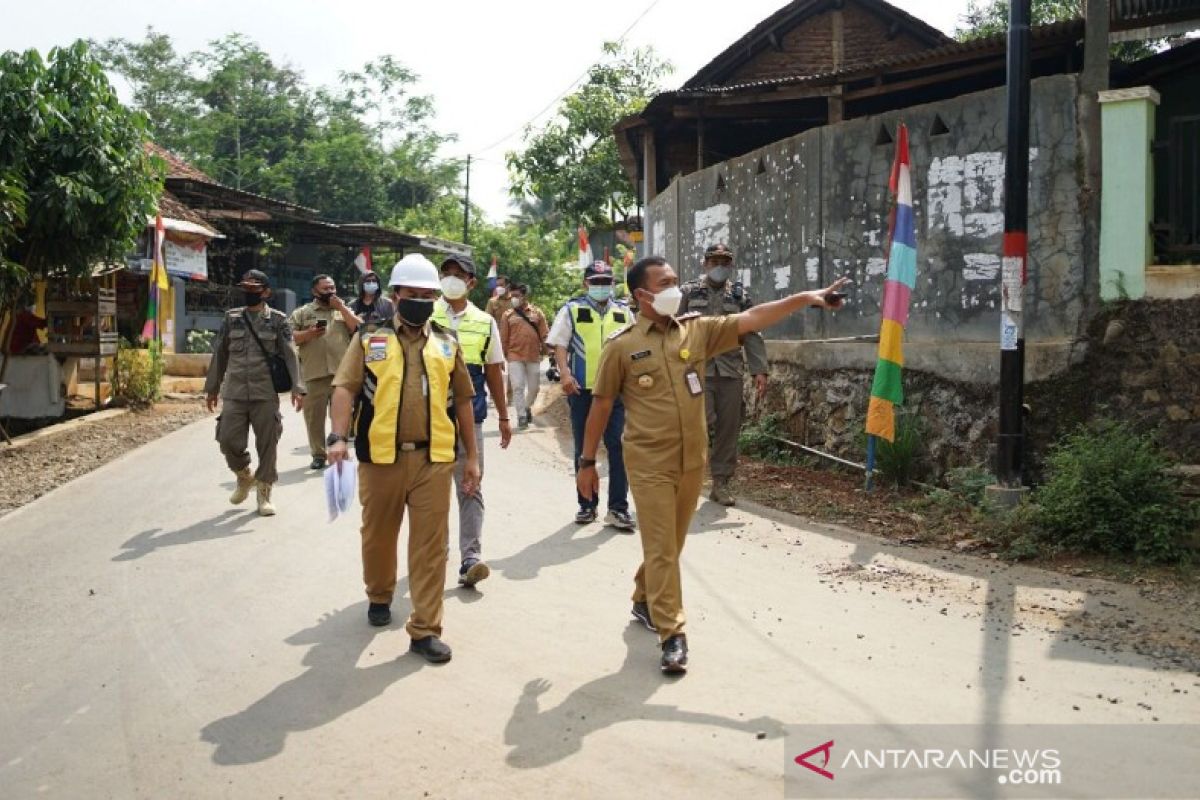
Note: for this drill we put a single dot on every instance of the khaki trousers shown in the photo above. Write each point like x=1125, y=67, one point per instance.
x=233, y=435
x=386, y=491
x=723, y=407
x=665, y=503
x=316, y=411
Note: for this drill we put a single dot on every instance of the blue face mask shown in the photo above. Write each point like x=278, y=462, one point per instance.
x=600, y=294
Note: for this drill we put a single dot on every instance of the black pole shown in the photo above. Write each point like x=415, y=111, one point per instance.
x=467, y=205
x=1011, y=444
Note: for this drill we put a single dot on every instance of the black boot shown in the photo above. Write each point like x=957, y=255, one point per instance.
x=379, y=614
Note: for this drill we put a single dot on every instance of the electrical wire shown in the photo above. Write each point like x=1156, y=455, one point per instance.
x=564, y=92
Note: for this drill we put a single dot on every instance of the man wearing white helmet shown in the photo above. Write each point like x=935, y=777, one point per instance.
x=399, y=383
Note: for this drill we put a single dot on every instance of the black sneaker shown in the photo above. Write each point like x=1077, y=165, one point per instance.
x=318, y=462
x=621, y=520
x=432, y=649
x=641, y=612
x=379, y=614
x=472, y=572
x=528, y=416
x=585, y=515
x=674, y=655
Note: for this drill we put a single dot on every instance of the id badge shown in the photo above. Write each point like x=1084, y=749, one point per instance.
x=693, y=383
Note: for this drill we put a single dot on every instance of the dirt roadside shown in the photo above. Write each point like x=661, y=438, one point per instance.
x=31, y=470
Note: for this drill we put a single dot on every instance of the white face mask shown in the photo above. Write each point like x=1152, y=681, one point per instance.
x=501, y=291
x=454, y=288
x=517, y=302
x=371, y=287
x=719, y=275
x=666, y=303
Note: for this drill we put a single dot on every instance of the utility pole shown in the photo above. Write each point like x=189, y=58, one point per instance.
x=467, y=205
x=1013, y=274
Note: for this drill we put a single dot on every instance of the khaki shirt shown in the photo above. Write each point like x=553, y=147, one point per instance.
x=732, y=298
x=497, y=306
x=523, y=338
x=413, y=424
x=665, y=428
x=319, y=358
x=239, y=370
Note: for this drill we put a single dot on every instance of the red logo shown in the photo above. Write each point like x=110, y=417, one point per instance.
x=802, y=759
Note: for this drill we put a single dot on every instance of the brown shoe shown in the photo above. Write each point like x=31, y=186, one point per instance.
x=265, y=509
x=245, y=482
x=720, y=492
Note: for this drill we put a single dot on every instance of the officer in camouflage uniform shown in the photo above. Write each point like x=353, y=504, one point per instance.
x=715, y=294
x=241, y=378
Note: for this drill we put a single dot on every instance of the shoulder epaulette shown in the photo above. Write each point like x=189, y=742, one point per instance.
x=688, y=316
x=615, y=334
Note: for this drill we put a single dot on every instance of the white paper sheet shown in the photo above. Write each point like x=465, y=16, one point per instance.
x=341, y=485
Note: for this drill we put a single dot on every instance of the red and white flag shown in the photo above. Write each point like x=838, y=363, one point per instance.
x=585, y=250
x=363, y=261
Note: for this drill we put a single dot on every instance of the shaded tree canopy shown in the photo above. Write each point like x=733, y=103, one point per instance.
x=363, y=150
x=76, y=184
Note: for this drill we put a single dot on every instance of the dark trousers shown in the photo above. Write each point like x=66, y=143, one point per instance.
x=618, y=484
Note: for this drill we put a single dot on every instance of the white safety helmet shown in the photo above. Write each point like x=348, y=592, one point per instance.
x=416, y=272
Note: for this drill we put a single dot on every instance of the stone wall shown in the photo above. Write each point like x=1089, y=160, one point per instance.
x=1139, y=362
x=807, y=209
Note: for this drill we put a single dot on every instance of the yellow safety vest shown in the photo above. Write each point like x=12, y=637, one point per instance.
x=377, y=413
x=474, y=330
x=589, y=332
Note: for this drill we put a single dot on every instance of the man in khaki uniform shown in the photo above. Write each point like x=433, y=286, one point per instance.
x=400, y=381
x=240, y=377
x=657, y=367
x=322, y=330
x=713, y=294
x=500, y=302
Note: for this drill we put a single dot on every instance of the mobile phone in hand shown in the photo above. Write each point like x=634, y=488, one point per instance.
x=322, y=323
x=834, y=297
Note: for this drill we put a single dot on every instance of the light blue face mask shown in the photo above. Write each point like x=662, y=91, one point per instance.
x=600, y=293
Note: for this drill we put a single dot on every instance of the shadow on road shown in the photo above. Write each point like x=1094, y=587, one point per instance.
x=286, y=478
x=561, y=547
x=540, y=737
x=228, y=523
x=331, y=686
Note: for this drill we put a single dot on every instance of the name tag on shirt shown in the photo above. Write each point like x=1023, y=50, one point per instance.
x=693, y=383
x=638, y=356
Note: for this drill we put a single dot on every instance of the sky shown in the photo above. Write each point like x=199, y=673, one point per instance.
x=492, y=67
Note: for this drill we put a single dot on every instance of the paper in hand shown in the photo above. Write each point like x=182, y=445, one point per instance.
x=341, y=483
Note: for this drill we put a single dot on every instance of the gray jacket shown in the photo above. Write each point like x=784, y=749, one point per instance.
x=239, y=370
x=700, y=296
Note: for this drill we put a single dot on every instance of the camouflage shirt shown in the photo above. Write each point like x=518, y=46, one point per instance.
x=732, y=298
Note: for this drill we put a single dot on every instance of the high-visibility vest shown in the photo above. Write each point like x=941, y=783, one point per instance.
x=377, y=411
x=589, y=330
x=474, y=334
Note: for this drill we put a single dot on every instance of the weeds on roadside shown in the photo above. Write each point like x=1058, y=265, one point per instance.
x=138, y=378
x=902, y=461
x=199, y=341
x=759, y=439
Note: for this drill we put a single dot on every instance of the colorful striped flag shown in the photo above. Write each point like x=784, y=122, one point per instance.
x=887, y=391
x=159, y=282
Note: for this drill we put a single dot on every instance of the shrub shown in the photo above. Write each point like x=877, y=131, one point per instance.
x=138, y=380
x=901, y=462
x=759, y=438
x=1107, y=491
x=199, y=341
x=969, y=483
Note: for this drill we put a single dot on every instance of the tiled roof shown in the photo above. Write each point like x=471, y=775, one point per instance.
x=176, y=166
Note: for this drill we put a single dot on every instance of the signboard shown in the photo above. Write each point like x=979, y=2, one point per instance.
x=186, y=257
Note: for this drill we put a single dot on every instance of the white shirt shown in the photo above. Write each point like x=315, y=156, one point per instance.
x=495, y=352
x=560, y=331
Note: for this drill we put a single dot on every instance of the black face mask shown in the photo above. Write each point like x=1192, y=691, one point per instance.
x=414, y=311
x=252, y=298
x=324, y=299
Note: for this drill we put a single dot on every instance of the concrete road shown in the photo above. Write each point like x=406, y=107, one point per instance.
x=157, y=642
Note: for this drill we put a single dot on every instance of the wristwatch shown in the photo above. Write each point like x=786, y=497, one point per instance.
x=587, y=462
x=334, y=438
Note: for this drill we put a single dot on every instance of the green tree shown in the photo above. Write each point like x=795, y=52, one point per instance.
x=984, y=18
x=76, y=184
x=574, y=159
x=161, y=84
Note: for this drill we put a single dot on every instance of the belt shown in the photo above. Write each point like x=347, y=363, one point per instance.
x=406, y=447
